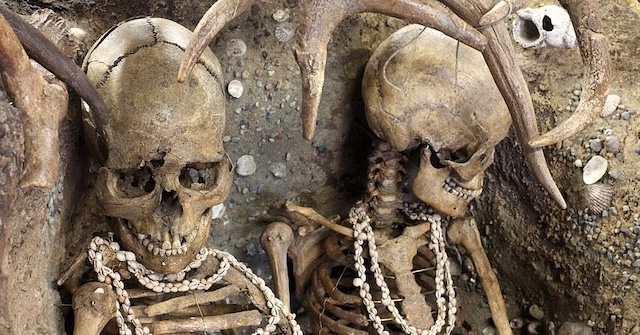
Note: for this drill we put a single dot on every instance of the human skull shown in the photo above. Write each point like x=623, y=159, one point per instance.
x=424, y=90
x=164, y=166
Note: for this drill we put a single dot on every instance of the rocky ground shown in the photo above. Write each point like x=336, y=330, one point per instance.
x=571, y=265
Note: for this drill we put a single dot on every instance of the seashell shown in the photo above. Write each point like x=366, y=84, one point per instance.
x=598, y=197
x=283, y=34
x=281, y=15
x=595, y=168
x=516, y=323
x=236, y=47
x=610, y=105
x=235, y=88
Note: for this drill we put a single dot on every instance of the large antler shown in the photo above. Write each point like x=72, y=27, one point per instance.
x=320, y=17
x=318, y=20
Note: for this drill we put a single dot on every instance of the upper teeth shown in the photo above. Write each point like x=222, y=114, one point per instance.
x=452, y=186
x=166, y=248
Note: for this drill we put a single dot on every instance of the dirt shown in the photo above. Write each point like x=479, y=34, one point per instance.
x=573, y=265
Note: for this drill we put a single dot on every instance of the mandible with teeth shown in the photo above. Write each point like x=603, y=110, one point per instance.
x=163, y=163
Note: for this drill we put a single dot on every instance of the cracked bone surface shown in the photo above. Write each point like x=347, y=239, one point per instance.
x=450, y=110
x=94, y=304
x=164, y=165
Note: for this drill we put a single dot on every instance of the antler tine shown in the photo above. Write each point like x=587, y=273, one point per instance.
x=500, y=58
x=594, y=48
x=320, y=17
x=218, y=15
x=500, y=11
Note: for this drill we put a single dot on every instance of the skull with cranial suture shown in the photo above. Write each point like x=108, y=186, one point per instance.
x=455, y=123
x=164, y=165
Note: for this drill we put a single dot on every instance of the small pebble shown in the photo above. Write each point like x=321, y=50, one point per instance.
x=246, y=165
x=615, y=174
x=281, y=15
x=625, y=115
x=278, y=169
x=596, y=145
x=578, y=163
x=235, y=88
x=536, y=312
x=236, y=47
x=612, y=144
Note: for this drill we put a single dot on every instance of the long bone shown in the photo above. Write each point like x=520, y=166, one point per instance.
x=275, y=240
x=318, y=20
x=94, y=304
x=465, y=233
x=43, y=106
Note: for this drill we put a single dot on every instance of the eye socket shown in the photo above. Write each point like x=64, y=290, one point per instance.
x=200, y=176
x=136, y=182
x=458, y=156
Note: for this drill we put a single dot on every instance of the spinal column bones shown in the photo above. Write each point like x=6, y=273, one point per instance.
x=164, y=163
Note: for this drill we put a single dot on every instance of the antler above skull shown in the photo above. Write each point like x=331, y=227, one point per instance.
x=471, y=22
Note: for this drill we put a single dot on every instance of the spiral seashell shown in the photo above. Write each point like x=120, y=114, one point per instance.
x=610, y=105
x=283, y=34
x=598, y=197
x=594, y=170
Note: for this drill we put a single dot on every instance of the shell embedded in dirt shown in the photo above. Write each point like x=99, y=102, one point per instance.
x=610, y=105
x=235, y=88
x=283, y=34
x=595, y=168
x=598, y=197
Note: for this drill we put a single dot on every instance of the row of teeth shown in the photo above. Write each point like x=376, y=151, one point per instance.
x=166, y=248
x=451, y=186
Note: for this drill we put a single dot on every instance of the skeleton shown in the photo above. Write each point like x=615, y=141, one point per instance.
x=476, y=23
x=164, y=170
x=453, y=119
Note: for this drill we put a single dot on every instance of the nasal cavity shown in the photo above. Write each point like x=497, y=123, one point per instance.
x=170, y=202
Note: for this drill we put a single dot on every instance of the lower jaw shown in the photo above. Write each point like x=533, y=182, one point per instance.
x=156, y=259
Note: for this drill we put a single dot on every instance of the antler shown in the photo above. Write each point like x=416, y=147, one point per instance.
x=594, y=49
x=320, y=17
x=43, y=51
x=318, y=20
